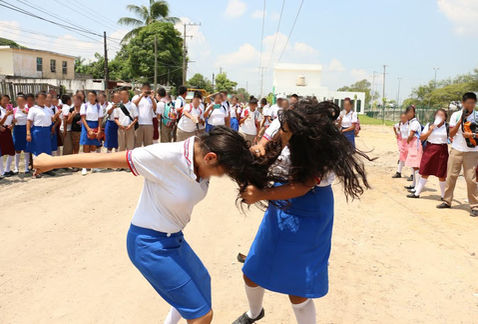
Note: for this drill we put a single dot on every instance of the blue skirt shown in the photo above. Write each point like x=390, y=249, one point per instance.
x=350, y=135
x=234, y=124
x=111, y=135
x=291, y=249
x=54, y=140
x=20, y=137
x=41, y=142
x=172, y=268
x=84, y=140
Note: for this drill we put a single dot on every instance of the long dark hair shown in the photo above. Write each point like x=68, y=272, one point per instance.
x=317, y=148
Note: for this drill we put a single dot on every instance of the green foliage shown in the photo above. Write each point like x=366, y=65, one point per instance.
x=224, y=84
x=200, y=82
x=361, y=86
x=96, y=68
x=366, y=120
x=8, y=42
x=242, y=95
x=271, y=99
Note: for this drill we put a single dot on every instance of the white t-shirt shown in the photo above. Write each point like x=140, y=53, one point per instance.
x=160, y=107
x=235, y=111
x=459, y=142
x=404, y=130
x=145, y=110
x=111, y=117
x=249, y=125
x=439, y=135
x=179, y=103
x=185, y=123
x=217, y=116
x=92, y=112
x=65, y=111
x=20, y=117
x=266, y=112
x=274, y=111
x=414, y=125
x=122, y=118
x=39, y=116
x=273, y=128
x=9, y=120
x=170, y=189
x=348, y=118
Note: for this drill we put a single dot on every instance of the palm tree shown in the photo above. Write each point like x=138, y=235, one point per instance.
x=158, y=10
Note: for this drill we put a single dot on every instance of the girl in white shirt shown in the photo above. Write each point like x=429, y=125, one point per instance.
x=235, y=113
x=6, y=141
x=192, y=119
x=20, y=114
x=91, y=118
x=435, y=155
x=348, y=121
x=401, y=133
x=176, y=178
x=249, y=122
x=216, y=113
x=414, y=145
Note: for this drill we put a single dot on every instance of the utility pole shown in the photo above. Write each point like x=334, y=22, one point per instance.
x=220, y=70
x=107, y=76
x=262, y=81
x=383, y=94
x=185, y=49
x=373, y=88
x=398, y=91
x=435, y=69
x=213, y=82
x=156, y=63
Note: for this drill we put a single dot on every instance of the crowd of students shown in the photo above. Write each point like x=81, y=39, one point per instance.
x=425, y=151
x=45, y=123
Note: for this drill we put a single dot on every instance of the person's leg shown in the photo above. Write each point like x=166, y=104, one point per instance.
x=470, y=160
x=173, y=316
x=139, y=136
x=86, y=149
x=455, y=161
x=26, y=157
x=442, y=187
x=304, y=309
x=121, y=140
x=2, y=171
x=148, y=135
x=130, y=140
x=206, y=319
x=421, y=184
x=9, y=163
x=255, y=296
x=400, y=166
x=17, y=160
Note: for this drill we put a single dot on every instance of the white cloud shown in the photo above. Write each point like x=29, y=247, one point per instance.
x=336, y=66
x=462, y=13
x=257, y=14
x=199, y=48
x=235, y=8
x=246, y=54
x=359, y=74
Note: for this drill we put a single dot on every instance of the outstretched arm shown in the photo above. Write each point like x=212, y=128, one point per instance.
x=45, y=162
x=253, y=194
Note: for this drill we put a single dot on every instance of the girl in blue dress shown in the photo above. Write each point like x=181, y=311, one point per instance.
x=91, y=117
x=291, y=249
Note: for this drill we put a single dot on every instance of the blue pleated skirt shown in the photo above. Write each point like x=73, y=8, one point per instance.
x=41, y=142
x=350, y=135
x=20, y=137
x=84, y=140
x=234, y=124
x=111, y=135
x=54, y=140
x=172, y=268
x=291, y=249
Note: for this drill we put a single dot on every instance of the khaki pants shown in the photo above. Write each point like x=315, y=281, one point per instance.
x=75, y=141
x=167, y=135
x=248, y=137
x=126, y=139
x=144, y=135
x=456, y=160
x=67, y=144
x=182, y=135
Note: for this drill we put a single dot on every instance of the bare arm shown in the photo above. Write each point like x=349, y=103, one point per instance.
x=137, y=100
x=411, y=136
x=288, y=191
x=44, y=162
x=350, y=128
x=29, y=127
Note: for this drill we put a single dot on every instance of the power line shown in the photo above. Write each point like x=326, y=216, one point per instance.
x=261, y=68
x=292, y=29
x=277, y=32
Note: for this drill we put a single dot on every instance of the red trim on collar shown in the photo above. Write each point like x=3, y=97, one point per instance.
x=186, y=150
x=129, y=160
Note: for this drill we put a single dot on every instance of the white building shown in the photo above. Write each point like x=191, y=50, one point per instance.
x=304, y=80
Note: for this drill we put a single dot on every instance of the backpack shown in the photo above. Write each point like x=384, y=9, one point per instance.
x=169, y=116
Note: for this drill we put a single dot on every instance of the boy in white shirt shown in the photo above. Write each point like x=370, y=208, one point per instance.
x=146, y=105
x=126, y=122
x=250, y=121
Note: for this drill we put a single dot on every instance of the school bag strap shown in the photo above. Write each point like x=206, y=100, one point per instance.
x=126, y=112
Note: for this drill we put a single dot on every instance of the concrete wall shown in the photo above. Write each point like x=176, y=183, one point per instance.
x=287, y=77
x=70, y=85
x=6, y=62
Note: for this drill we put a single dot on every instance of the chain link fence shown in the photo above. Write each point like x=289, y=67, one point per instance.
x=424, y=114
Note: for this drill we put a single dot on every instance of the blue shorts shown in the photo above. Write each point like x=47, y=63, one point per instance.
x=172, y=268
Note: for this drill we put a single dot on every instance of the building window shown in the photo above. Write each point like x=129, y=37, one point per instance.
x=64, y=67
x=39, y=64
x=53, y=65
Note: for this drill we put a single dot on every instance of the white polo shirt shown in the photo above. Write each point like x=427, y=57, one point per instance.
x=9, y=120
x=249, y=125
x=439, y=135
x=185, y=123
x=414, y=125
x=91, y=112
x=404, y=130
x=170, y=189
x=273, y=128
x=39, y=116
x=217, y=116
x=122, y=118
x=348, y=118
x=65, y=111
x=459, y=142
x=19, y=116
x=145, y=110
x=274, y=111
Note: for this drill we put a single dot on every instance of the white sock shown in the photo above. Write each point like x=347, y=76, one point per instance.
x=1, y=166
x=442, y=188
x=98, y=150
x=400, y=166
x=305, y=312
x=9, y=163
x=116, y=149
x=418, y=179
x=255, y=295
x=173, y=316
x=420, y=186
x=414, y=183
x=26, y=155
x=53, y=153
x=17, y=161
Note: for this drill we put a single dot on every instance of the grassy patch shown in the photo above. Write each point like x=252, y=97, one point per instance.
x=366, y=120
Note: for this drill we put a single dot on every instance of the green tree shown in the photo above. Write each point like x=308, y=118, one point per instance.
x=242, y=95
x=224, y=84
x=157, y=10
x=361, y=86
x=8, y=42
x=200, y=82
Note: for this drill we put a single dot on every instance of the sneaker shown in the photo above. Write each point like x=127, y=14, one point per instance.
x=84, y=172
x=397, y=175
x=412, y=195
x=411, y=190
x=95, y=170
x=443, y=205
x=474, y=213
x=410, y=178
x=244, y=319
x=15, y=172
x=409, y=187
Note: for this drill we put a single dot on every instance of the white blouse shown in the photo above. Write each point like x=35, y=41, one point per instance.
x=39, y=116
x=439, y=135
x=92, y=112
x=348, y=118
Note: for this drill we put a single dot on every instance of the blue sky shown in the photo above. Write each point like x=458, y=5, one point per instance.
x=349, y=38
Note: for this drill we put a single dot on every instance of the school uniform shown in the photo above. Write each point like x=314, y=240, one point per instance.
x=186, y=127
x=348, y=119
x=145, y=131
x=52, y=110
x=291, y=249
x=415, y=149
x=111, y=129
x=248, y=129
x=435, y=155
x=272, y=130
x=20, y=129
x=40, y=131
x=217, y=117
x=126, y=137
x=402, y=143
x=76, y=128
x=235, y=113
x=155, y=240
x=67, y=140
x=7, y=146
x=274, y=111
x=92, y=114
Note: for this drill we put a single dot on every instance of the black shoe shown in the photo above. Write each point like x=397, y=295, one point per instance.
x=9, y=174
x=241, y=257
x=397, y=175
x=244, y=319
x=27, y=172
x=412, y=195
x=51, y=173
x=409, y=187
x=410, y=178
x=443, y=205
x=474, y=213
x=442, y=199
